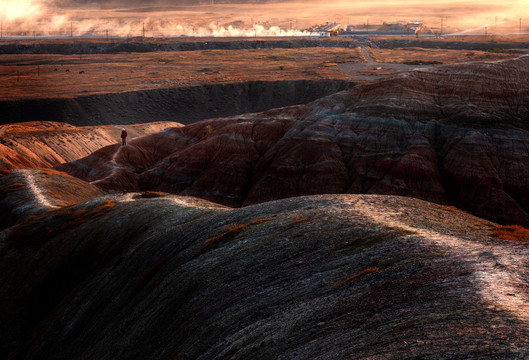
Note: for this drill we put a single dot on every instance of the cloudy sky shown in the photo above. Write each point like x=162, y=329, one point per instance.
x=461, y=13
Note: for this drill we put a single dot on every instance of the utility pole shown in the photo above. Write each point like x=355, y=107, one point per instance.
x=107, y=34
x=520, y=25
x=485, y=31
x=441, y=25
x=71, y=30
x=143, y=29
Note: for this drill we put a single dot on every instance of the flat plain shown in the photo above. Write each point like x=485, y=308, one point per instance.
x=40, y=73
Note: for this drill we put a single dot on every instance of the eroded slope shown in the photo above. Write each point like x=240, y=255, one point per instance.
x=450, y=134
x=29, y=192
x=335, y=276
x=45, y=144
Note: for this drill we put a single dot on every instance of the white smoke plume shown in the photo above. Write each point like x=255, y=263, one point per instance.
x=12, y=10
x=171, y=18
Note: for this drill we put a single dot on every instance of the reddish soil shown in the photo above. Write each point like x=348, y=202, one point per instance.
x=28, y=76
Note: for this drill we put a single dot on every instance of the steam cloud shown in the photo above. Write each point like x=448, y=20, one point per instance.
x=12, y=10
x=98, y=18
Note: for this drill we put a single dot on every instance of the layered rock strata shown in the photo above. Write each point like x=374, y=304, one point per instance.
x=449, y=134
x=44, y=144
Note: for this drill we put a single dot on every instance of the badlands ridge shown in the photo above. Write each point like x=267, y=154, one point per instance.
x=327, y=251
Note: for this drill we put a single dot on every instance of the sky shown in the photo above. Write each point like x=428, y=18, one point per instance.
x=55, y=14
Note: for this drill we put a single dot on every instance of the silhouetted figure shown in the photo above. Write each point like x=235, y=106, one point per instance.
x=123, y=137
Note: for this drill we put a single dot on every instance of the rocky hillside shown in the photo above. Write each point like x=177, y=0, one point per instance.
x=157, y=276
x=453, y=134
x=45, y=144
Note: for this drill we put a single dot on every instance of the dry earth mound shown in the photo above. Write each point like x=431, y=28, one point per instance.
x=449, y=134
x=25, y=193
x=46, y=144
x=151, y=276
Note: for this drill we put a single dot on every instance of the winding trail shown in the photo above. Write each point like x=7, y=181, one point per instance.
x=37, y=193
x=497, y=283
x=113, y=163
x=367, y=55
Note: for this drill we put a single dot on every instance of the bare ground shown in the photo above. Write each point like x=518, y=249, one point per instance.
x=28, y=76
x=322, y=277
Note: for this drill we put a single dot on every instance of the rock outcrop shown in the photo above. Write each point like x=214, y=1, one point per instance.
x=151, y=276
x=453, y=134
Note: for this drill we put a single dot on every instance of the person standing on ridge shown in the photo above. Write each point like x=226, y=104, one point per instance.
x=123, y=137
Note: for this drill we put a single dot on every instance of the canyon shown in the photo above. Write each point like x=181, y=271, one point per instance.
x=452, y=134
x=378, y=216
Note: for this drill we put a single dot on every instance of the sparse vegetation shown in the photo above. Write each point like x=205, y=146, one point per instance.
x=495, y=50
x=51, y=172
x=207, y=130
x=261, y=220
x=361, y=273
x=422, y=62
x=236, y=228
x=228, y=230
x=449, y=208
x=62, y=219
x=11, y=188
x=296, y=221
x=510, y=232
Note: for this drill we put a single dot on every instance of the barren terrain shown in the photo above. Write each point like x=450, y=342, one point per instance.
x=88, y=67
x=333, y=276
x=46, y=144
x=368, y=206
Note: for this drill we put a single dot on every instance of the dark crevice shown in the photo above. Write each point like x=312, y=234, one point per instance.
x=185, y=105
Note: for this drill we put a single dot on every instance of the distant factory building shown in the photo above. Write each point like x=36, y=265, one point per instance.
x=327, y=29
x=393, y=27
x=402, y=27
x=414, y=25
